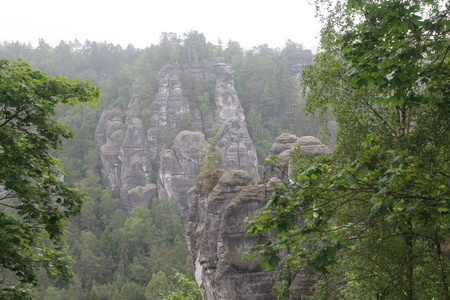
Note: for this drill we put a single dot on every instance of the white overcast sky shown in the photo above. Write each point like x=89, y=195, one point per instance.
x=139, y=22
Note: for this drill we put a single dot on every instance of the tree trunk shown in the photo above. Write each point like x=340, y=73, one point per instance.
x=441, y=263
x=409, y=262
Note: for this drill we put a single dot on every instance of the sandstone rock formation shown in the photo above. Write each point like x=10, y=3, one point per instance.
x=217, y=238
x=144, y=150
x=298, y=59
x=152, y=149
x=283, y=147
x=217, y=233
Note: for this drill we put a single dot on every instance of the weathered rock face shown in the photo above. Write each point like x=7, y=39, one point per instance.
x=298, y=59
x=179, y=168
x=217, y=238
x=144, y=150
x=217, y=233
x=283, y=147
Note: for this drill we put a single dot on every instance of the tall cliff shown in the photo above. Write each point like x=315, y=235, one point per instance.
x=217, y=233
x=152, y=148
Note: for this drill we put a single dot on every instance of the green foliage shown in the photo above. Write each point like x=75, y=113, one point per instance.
x=373, y=218
x=192, y=88
x=169, y=48
x=34, y=201
x=215, y=128
x=407, y=42
x=185, y=289
x=210, y=160
x=194, y=47
x=186, y=122
x=204, y=103
x=200, y=94
x=157, y=285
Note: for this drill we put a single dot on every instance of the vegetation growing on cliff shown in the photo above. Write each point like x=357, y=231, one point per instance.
x=210, y=162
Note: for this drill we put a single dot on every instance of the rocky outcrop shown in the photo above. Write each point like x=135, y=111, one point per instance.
x=217, y=233
x=283, y=147
x=179, y=168
x=217, y=238
x=146, y=152
x=298, y=59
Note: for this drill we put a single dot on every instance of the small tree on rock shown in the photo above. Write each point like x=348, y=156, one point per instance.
x=210, y=161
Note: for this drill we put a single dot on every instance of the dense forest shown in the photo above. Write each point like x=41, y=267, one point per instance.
x=120, y=255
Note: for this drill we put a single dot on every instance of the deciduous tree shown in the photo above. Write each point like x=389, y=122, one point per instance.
x=374, y=217
x=34, y=200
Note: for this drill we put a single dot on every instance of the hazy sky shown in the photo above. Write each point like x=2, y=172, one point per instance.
x=139, y=22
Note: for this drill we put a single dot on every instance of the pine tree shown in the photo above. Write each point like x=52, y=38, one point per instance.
x=210, y=161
